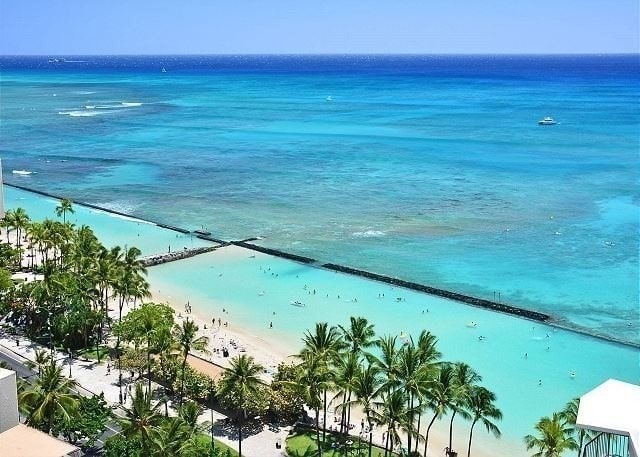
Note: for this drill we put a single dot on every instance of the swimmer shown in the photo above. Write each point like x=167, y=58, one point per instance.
x=270, y=324
x=526, y=355
x=539, y=382
x=572, y=374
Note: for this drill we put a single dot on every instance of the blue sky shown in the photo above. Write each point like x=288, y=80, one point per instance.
x=326, y=26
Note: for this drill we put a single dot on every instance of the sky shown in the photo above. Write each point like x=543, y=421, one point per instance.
x=81, y=27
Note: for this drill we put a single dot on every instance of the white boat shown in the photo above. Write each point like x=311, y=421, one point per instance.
x=22, y=172
x=164, y=70
x=297, y=303
x=329, y=98
x=547, y=121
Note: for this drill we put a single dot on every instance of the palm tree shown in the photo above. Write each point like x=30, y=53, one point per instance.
x=429, y=360
x=42, y=359
x=441, y=395
x=20, y=223
x=345, y=371
x=359, y=334
x=554, y=437
x=465, y=378
x=142, y=418
x=323, y=344
x=241, y=381
x=65, y=206
x=49, y=396
x=312, y=381
x=482, y=408
x=366, y=387
x=570, y=415
x=393, y=412
x=186, y=337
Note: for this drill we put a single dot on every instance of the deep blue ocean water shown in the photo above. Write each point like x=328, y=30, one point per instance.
x=428, y=168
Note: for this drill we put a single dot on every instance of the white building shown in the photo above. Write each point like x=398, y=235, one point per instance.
x=18, y=440
x=613, y=410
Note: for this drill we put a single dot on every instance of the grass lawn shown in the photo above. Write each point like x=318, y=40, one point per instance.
x=206, y=439
x=91, y=354
x=302, y=443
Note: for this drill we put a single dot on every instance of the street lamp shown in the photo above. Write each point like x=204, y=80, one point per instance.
x=211, y=406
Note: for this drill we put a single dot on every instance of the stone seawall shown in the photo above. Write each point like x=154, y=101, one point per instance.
x=480, y=302
x=159, y=259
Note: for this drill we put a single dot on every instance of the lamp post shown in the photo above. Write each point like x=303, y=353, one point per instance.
x=211, y=406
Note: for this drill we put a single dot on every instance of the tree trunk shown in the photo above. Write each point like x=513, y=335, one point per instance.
x=453, y=416
x=149, y=364
x=370, y=433
x=415, y=449
x=240, y=434
x=343, y=414
x=410, y=405
x=426, y=435
x=348, y=412
x=184, y=364
x=318, y=432
x=324, y=419
x=471, y=436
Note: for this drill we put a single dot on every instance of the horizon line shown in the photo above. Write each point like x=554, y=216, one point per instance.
x=345, y=54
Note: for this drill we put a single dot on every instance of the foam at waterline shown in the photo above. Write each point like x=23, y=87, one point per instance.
x=83, y=92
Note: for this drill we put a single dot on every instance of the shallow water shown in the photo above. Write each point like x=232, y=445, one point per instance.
x=111, y=229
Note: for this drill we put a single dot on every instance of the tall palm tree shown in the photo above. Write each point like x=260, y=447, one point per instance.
x=65, y=206
x=188, y=340
x=324, y=344
x=50, y=395
x=20, y=223
x=429, y=359
x=393, y=413
x=482, y=408
x=312, y=382
x=241, y=381
x=366, y=388
x=346, y=369
x=554, y=437
x=441, y=395
x=142, y=418
x=570, y=414
x=465, y=378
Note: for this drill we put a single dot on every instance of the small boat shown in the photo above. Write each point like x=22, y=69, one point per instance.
x=329, y=98
x=164, y=70
x=297, y=303
x=547, y=121
x=202, y=232
x=22, y=172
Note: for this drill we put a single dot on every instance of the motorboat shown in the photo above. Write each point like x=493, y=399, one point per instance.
x=22, y=172
x=547, y=121
x=297, y=303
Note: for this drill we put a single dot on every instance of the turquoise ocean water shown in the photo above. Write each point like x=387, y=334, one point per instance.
x=431, y=169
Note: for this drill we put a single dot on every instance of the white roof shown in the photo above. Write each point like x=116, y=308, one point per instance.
x=612, y=407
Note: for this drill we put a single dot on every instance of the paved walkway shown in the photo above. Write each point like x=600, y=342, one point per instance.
x=96, y=378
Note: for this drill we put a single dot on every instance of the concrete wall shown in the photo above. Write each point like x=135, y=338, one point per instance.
x=8, y=400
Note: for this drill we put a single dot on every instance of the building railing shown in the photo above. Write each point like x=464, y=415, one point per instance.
x=607, y=445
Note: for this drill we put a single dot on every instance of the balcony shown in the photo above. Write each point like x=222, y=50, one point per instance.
x=608, y=445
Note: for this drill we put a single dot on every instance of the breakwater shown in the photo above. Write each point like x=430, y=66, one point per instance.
x=158, y=259
x=480, y=302
x=274, y=252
